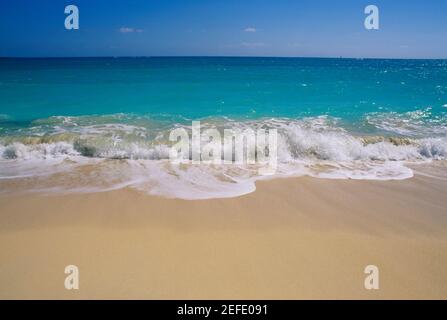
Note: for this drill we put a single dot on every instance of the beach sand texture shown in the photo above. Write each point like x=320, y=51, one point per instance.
x=294, y=238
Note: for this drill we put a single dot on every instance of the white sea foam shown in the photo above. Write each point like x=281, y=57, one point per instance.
x=109, y=156
x=418, y=123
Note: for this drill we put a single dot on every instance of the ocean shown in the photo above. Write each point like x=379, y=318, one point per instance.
x=97, y=124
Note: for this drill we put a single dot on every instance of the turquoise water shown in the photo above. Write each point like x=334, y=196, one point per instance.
x=235, y=87
x=364, y=119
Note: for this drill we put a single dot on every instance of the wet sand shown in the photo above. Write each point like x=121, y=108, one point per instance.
x=295, y=238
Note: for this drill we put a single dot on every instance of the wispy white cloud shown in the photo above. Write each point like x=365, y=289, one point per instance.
x=250, y=29
x=129, y=30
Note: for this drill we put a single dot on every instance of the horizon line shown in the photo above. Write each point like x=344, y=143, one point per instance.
x=211, y=56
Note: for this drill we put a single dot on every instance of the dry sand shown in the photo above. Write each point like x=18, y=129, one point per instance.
x=291, y=239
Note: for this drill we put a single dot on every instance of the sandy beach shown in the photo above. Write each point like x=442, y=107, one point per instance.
x=295, y=238
x=200, y=150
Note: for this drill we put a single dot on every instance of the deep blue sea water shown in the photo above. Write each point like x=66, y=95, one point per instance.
x=363, y=117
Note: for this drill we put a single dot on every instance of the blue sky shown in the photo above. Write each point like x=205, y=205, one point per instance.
x=323, y=28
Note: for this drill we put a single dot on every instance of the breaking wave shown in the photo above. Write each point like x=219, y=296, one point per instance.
x=85, y=154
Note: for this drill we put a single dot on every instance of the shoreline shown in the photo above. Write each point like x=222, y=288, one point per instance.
x=293, y=238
